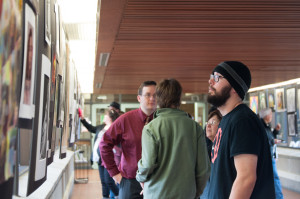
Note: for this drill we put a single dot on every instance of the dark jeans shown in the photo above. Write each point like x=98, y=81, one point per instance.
x=130, y=189
x=107, y=182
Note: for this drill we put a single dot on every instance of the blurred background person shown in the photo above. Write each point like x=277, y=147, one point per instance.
x=266, y=118
x=211, y=128
x=106, y=181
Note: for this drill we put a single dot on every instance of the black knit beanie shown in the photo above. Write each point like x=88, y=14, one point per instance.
x=237, y=74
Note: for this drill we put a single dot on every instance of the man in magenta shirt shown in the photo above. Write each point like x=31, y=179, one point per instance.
x=126, y=131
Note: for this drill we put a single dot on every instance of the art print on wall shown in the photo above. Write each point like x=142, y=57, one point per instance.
x=279, y=99
x=43, y=122
x=262, y=100
x=47, y=22
x=29, y=56
x=291, y=100
x=292, y=124
x=10, y=87
x=254, y=103
x=271, y=100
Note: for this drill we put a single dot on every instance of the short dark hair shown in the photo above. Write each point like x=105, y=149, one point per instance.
x=215, y=113
x=145, y=83
x=168, y=93
x=113, y=114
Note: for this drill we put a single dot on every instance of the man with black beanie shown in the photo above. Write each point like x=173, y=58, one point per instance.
x=241, y=160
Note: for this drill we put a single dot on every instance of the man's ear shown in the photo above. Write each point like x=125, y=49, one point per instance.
x=139, y=98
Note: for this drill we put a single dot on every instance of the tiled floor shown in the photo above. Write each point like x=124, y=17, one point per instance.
x=92, y=190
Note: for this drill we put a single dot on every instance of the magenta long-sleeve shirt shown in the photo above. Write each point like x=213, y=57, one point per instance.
x=126, y=131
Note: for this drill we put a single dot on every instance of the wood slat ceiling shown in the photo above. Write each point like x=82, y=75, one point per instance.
x=154, y=39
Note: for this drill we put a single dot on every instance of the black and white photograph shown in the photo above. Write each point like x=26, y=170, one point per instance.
x=43, y=122
x=47, y=22
x=29, y=56
x=292, y=124
x=291, y=100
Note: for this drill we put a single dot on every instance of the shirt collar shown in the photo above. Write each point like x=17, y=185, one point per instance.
x=143, y=116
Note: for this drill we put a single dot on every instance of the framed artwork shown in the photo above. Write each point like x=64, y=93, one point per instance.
x=47, y=22
x=262, y=100
x=43, y=122
x=292, y=124
x=271, y=99
x=10, y=87
x=281, y=118
x=279, y=99
x=291, y=100
x=29, y=56
x=254, y=103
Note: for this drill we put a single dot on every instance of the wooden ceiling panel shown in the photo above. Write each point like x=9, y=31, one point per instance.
x=153, y=40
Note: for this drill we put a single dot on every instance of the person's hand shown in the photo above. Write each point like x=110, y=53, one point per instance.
x=278, y=127
x=80, y=112
x=276, y=141
x=117, y=178
x=142, y=185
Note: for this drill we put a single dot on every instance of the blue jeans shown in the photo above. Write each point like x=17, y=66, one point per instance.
x=205, y=191
x=278, y=191
x=107, y=183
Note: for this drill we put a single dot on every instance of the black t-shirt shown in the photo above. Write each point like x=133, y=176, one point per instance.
x=240, y=132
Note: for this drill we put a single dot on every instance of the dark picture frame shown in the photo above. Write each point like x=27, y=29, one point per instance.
x=43, y=122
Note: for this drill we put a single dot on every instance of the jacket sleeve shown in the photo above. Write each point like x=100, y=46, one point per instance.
x=149, y=156
x=110, y=138
x=203, y=163
x=89, y=127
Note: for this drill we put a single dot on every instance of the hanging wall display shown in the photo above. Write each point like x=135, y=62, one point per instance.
x=47, y=22
x=262, y=100
x=10, y=85
x=43, y=121
x=254, y=103
x=29, y=56
x=291, y=100
x=281, y=118
x=279, y=99
x=292, y=124
x=271, y=100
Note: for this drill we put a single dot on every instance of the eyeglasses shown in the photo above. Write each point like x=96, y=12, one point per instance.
x=148, y=96
x=212, y=123
x=216, y=78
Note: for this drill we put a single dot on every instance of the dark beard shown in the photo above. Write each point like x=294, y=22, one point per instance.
x=218, y=100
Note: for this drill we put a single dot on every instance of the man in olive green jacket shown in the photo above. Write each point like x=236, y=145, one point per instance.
x=174, y=160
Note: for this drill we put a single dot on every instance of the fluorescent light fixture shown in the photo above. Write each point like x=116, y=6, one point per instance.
x=102, y=97
x=103, y=59
x=292, y=81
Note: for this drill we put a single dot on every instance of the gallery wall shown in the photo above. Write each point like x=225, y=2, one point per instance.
x=39, y=92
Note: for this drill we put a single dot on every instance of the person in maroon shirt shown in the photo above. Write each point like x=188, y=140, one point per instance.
x=126, y=131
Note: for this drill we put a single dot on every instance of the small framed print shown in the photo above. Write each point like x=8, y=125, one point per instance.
x=27, y=107
x=279, y=99
x=291, y=100
x=47, y=22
